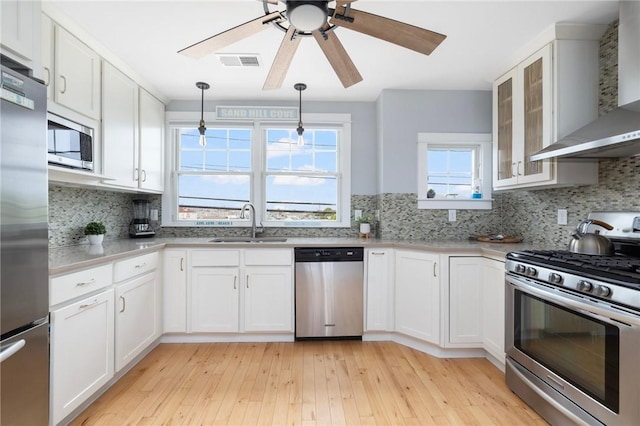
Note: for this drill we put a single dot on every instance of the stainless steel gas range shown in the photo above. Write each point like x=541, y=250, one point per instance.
x=573, y=329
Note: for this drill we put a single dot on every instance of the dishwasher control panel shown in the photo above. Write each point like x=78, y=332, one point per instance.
x=329, y=254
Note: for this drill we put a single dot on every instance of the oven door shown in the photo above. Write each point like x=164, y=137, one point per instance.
x=574, y=352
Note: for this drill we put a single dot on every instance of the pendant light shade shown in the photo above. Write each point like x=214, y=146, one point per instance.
x=202, y=128
x=300, y=87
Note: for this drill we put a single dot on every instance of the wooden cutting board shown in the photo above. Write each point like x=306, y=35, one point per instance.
x=505, y=239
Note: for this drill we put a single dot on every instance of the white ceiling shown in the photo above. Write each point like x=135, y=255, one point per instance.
x=482, y=40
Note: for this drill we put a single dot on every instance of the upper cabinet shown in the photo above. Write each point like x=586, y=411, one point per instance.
x=20, y=32
x=151, y=122
x=71, y=71
x=548, y=95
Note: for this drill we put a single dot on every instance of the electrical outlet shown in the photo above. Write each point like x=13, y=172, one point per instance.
x=562, y=217
x=153, y=214
x=357, y=214
x=452, y=215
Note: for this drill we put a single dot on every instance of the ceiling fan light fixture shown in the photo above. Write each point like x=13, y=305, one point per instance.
x=307, y=16
x=202, y=141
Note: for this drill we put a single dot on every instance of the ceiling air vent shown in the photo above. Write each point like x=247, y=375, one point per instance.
x=239, y=60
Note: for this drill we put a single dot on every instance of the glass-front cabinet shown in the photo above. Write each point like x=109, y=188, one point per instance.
x=522, y=124
x=545, y=97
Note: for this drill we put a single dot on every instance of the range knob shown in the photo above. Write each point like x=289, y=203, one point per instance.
x=520, y=269
x=531, y=271
x=603, y=291
x=585, y=286
x=555, y=278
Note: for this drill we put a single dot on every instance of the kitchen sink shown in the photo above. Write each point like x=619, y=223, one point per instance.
x=248, y=240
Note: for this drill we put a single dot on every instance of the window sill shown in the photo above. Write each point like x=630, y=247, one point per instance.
x=454, y=204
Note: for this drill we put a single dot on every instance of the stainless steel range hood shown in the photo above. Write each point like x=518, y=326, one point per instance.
x=616, y=134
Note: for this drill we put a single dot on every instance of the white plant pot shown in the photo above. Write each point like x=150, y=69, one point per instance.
x=95, y=239
x=365, y=228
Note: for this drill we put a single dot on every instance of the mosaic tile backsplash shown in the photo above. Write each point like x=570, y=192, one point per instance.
x=529, y=214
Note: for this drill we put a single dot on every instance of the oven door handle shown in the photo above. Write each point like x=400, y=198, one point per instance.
x=578, y=304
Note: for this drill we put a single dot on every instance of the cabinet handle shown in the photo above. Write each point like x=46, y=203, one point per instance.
x=435, y=267
x=247, y=280
x=518, y=168
x=124, y=303
x=64, y=80
x=48, y=82
x=91, y=281
x=88, y=305
x=141, y=266
x=136, y=174
x=144, y=175
x=235, y=280
x=182, y=264
x=513, y=166
x=374, y=253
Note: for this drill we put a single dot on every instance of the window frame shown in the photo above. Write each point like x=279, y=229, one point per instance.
x=482, y=143
x=179, y=119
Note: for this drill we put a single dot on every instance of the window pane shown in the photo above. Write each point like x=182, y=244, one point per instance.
x=225, y=150
x=211, y=197
x=191, y=160
x=296, y=197
x=326, y=161
x=450, y=171
x=326, y=139
x=189, y=139
x=319, y=152
x=437, y=161
x=216, y=138
x=460, y=161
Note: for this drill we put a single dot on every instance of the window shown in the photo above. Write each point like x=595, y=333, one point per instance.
x=289, y=184
x=454, y=171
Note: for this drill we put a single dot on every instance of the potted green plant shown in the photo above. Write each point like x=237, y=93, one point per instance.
x=431, y=193
x=365, y=222
x=95, y=232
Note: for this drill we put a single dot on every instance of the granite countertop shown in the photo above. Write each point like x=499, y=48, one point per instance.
x=66, y=259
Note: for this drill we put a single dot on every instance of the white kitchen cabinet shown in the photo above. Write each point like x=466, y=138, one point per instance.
x=380, y=290
x=268, y=298
x=465, y=295
x=119, y=127
x=493, y=300
x=417, y=295
x=545, y=97
x=151, y=136
x=215, y=293
x=81, y=351
x=46, y=38
x=174, y=291
x=76, y=82
x=137, y=317
x=20, y=30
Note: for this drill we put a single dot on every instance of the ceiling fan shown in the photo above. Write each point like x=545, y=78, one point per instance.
x=303, y=18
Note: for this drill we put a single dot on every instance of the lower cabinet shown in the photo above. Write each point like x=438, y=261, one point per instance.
x=380, y=290
x=214, y=299
x=465, y=296
x=493, y=307
x=417, y=283
x=82, y=355
x=174, y=291
x=268, y=299
x=137, y=317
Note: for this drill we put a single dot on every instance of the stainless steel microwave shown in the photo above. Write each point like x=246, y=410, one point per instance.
x=70, y=144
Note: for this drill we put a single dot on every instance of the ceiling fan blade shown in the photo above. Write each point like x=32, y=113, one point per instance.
x=283, y=59
x=338, y=58
x=225, y=38
x=396, y=32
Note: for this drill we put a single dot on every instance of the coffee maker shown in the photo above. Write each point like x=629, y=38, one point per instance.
x=140, y=226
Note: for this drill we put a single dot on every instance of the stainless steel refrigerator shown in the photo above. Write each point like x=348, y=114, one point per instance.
x=24, y=345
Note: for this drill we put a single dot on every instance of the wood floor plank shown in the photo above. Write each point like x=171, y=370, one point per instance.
x=307, y=383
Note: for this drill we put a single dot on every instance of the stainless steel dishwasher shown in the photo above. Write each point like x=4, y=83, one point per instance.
x=329, y=292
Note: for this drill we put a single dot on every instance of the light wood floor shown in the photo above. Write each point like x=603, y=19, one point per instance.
x=307, y=383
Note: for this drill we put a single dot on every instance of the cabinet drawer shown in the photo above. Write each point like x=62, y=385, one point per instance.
x=268, y=257
x=128, y=268
x=215, y=258
x=70, y=286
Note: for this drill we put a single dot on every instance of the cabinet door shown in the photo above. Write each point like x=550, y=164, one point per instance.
x=46, y=36
x=174, y=291
x=268, y=298
x=18, y=27
x=137, y=318
x=151, y=142
x=493, y=308
x=77, y=73
x=214, y=299
x=418, y=295
x=504, y=162
x=380, y=289
x=465, y=293
x=119, y=127
x=81, y=352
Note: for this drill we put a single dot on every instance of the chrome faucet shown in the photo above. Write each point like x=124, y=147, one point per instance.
x=253, y=218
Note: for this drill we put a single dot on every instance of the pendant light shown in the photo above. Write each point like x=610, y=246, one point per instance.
x=300, y=87
x=202, y=129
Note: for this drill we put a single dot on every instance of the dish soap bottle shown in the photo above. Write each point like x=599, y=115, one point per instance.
x=476, y=192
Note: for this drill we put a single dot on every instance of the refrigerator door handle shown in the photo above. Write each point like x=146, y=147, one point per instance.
x=11, y=350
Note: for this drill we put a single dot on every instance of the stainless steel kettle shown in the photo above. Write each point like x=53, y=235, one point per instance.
x=591, y=243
